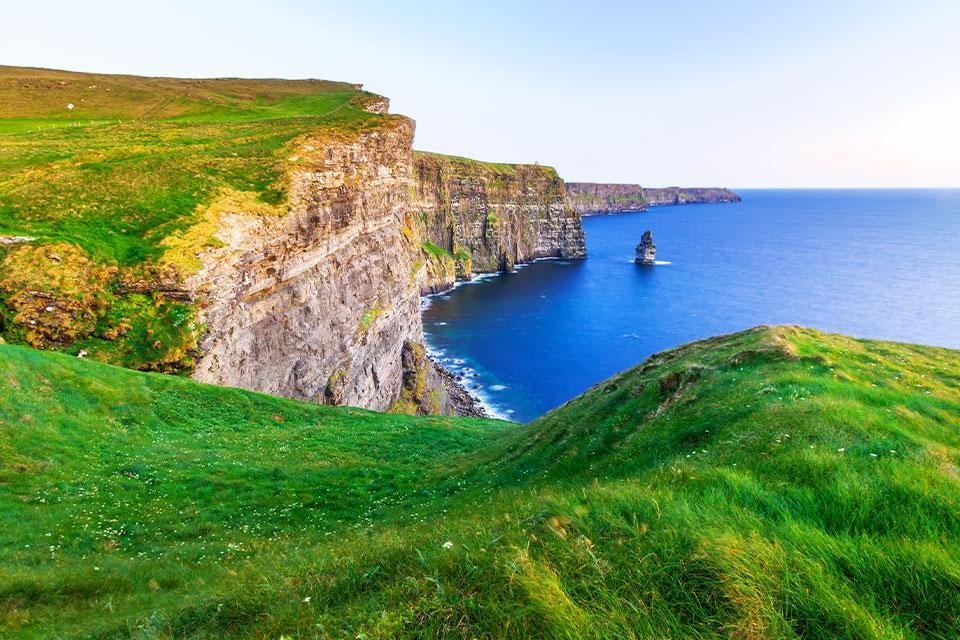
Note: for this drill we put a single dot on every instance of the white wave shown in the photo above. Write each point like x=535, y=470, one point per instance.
x=662, y=262
x=497, y=387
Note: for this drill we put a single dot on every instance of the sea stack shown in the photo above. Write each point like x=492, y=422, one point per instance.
x=646, y=251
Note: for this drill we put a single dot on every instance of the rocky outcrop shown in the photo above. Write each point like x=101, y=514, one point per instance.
x=646, y=250
x=479, y=217
x=322, y=303
x=589, y=198
x=429, y=389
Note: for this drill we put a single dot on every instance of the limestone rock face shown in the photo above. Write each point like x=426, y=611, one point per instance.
x=318, y=304
x=646, y=251
x=589, y=198
x=478, y=217
x=322, y=303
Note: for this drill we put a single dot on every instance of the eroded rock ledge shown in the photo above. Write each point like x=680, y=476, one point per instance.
x=590, y=198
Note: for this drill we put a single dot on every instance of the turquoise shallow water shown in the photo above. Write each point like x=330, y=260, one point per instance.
x=871, y=263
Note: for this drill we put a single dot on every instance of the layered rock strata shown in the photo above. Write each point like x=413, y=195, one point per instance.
x=589, y=198
x=478, y=217
x=322, y=303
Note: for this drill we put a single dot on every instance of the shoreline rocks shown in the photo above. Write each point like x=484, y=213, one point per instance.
x=463, y=403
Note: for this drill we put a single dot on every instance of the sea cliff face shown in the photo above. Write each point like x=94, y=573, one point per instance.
x=478, y=217
x=322, y=303
x=589, y=198
x=272, y=235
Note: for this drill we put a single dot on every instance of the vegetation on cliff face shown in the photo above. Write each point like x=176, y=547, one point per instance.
x=488, y=216
x=777, y=483
x=119, y=180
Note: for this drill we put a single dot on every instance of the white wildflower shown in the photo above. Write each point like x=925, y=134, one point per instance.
x=448, y=545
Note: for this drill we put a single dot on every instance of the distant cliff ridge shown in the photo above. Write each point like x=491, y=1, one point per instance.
x=590, y=198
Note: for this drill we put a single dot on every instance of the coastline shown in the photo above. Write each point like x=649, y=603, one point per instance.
x=467, y=402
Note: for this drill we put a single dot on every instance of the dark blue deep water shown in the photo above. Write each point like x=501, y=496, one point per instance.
x=880, y=264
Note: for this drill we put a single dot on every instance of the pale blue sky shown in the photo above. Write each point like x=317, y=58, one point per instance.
x=746, y=94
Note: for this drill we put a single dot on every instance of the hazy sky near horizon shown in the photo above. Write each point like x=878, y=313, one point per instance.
x=741, y=94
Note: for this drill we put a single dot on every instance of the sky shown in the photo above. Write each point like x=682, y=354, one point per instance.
x=738, y=94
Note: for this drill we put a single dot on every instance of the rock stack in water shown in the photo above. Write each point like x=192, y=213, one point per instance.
x=646, y=251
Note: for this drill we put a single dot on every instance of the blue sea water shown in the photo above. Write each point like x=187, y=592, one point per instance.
x=871, y=263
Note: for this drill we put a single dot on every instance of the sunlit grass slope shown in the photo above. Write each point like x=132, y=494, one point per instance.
x=777, y=483
x=115, y=164
x=110, y=173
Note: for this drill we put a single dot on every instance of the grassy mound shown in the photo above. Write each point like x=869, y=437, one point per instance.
x=116, y=177
x=777, y=483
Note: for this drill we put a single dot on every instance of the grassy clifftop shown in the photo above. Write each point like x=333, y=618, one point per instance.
x=776, y=483
x=115, y=177
x=115, y=164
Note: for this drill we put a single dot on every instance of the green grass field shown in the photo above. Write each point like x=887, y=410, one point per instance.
x=777, y=483
x=115, y=178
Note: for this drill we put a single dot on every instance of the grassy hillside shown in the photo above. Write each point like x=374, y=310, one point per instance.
x=110, y=174
x=777, y=483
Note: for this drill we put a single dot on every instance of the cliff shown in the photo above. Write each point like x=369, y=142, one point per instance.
x=272, y=235
x=245, y=232
x=478, y=217
x=321, y=303
x=589, y=198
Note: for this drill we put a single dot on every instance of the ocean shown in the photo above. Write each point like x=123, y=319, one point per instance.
x=869, y=263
